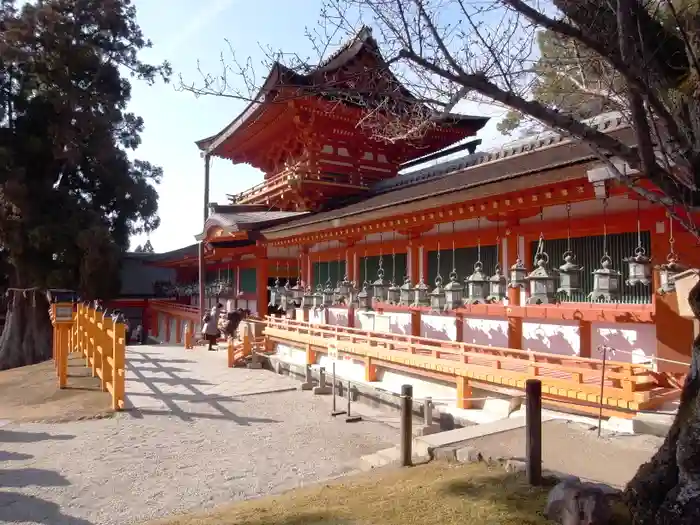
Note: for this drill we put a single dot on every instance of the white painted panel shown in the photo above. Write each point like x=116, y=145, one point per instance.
x=443, y=327
x=635, y=343
x=486, y=332
x=338, y=316
x=561, y=338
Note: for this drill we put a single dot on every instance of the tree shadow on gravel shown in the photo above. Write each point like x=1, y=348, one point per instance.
x=22, y=508
x=193, y=396
x=16, y=507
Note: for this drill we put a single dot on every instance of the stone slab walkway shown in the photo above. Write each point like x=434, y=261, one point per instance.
x=197, y=435
x=573, y=448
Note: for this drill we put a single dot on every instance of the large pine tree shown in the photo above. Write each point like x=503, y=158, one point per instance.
x=70, y=197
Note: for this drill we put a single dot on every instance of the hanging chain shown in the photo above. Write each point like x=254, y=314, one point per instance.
x=605, y=228
x=438, y=276
x=454, y=258
x=478, y=240
x=540, y=253
x=568, y=227
x=498, y=245
x=393, y=257
x=380, y=269
x=365, y=280
x=671, y=240
x=639, y=225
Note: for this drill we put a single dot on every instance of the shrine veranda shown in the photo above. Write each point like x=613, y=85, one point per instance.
x=533, y=248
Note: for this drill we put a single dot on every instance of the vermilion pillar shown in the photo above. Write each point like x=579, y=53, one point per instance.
x=261, y=276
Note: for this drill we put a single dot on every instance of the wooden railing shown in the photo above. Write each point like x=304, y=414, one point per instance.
x=185, y=317
x=626, y=386
x=98, y=338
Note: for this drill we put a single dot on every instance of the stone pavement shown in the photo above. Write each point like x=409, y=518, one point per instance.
x=576, y=449
x=197, y=435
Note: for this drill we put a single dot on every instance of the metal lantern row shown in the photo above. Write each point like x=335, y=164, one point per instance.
x=477, y=285
x=275, y=293
x=542, y=281
x=454, y=293
x=606, y=282
x=437, y=296
x=380, y=287
x=569, y=275
x=668, y=271
x=421, y=294
x=638, y=268
x=364, y=298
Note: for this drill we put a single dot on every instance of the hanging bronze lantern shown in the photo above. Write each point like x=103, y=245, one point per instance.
x=327, y=294
x=287, y=298
x=638, y=268
x=437, y=296
x=275, y=293
x=317, y=297
x=364, y=298
x=497, y=286
x=380, y=286
x=420, y=294
x=477, y=285
x=406, y=292
x=543, y=282
x=668, y=271
x=454, y=293
x=606, y=282
x=518, y=274
x=307, y=300
x=569, y=275
x=393, y=293
x=344, y=290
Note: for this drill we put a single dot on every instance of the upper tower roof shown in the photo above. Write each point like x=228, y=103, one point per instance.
x=340, y=89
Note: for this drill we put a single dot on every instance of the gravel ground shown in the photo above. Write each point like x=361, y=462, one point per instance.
x=192, y=441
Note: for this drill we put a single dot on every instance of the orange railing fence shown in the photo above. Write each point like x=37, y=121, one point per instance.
x=565, y=379
x=99, y=338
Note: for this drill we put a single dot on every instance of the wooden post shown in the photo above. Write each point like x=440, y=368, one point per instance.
x=119, y=374
x=406, y=423
x=533, y=431
x=464, y=392
x=585, y=332
x=108, y=348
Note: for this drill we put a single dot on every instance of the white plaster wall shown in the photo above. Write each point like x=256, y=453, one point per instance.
x=253, y=307
x=442, y=327
x=345, y=368
x=491, y=331
x=173, y=331
x=338, y=316
x=399, y=322
x=298, y=314
x=291, y=354
x=561, y=338
x=161, y=327
x=422, y=388
x=317, y=316
x=636, y=343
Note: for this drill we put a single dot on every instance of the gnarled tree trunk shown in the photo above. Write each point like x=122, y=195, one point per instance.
x=666, y=490
x=27, y=336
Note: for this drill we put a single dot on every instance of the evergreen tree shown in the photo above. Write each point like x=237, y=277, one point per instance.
x=69, y=195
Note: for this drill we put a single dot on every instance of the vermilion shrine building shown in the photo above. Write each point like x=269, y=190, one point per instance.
x=337, y=204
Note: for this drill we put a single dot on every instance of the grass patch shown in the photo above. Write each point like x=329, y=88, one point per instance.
x=435, y=493
x=31, y=394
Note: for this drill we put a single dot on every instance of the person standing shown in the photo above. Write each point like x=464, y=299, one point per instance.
x=210, y=328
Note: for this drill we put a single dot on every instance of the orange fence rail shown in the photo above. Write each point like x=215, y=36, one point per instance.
x=186, y=319
x=626, y=386
x=99, y=338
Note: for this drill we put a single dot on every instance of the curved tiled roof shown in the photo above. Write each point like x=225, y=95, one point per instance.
x=544, y=151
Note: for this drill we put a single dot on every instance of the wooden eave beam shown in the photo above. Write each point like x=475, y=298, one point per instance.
x=544, y=196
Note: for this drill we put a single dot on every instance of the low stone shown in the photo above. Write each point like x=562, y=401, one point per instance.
x=572, y=502
x=469, y=455
x=514, y=466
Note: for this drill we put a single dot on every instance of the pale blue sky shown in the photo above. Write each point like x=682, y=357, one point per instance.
x=184, y=31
